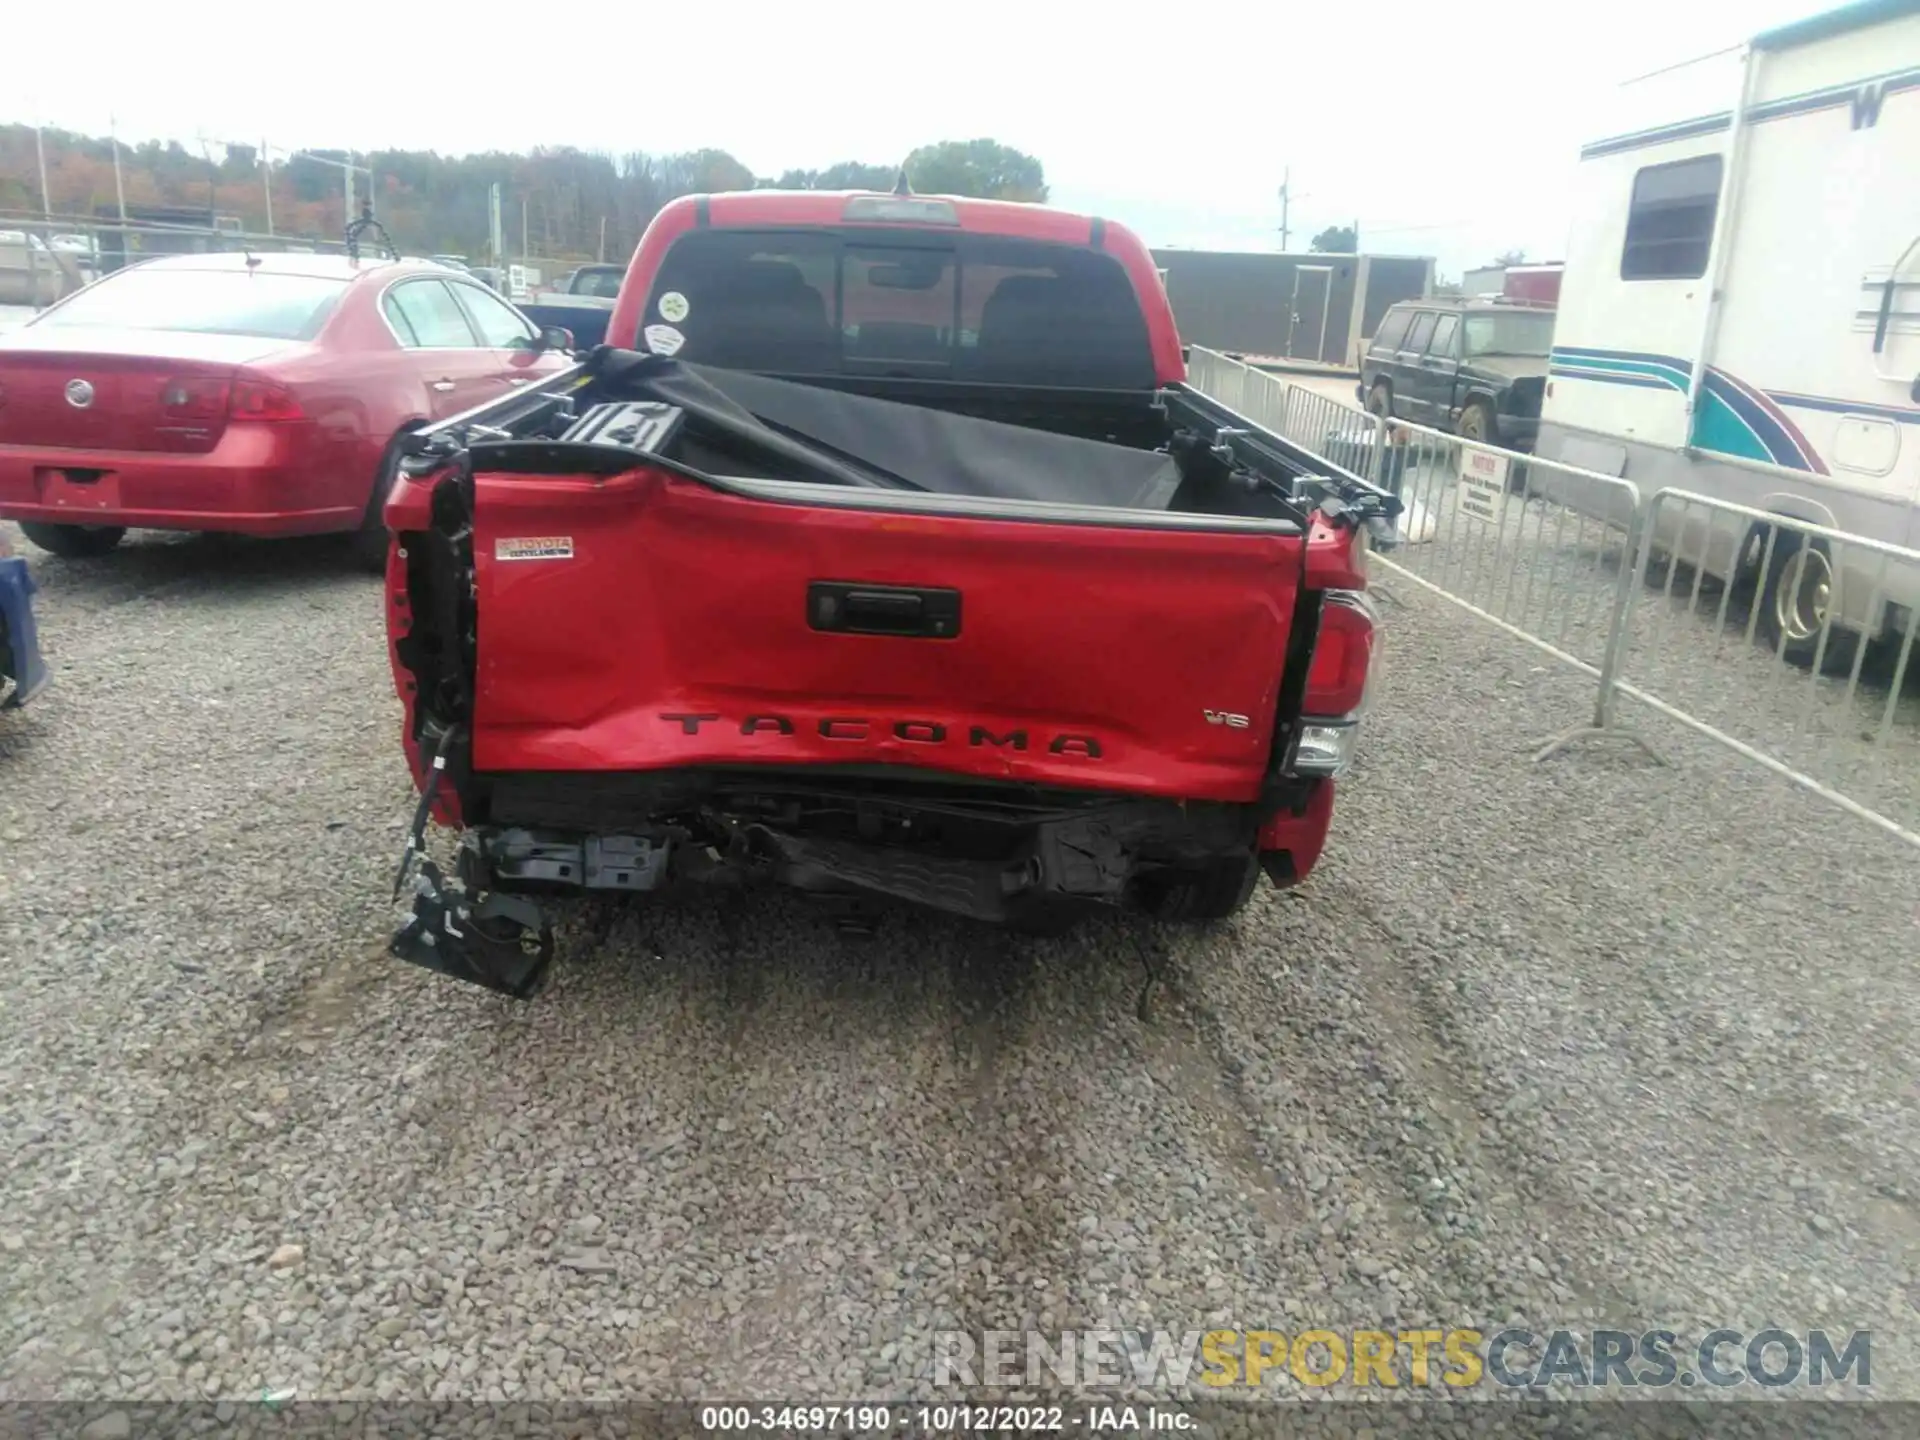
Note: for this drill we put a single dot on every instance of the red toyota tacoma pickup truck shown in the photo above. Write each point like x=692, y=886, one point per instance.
x=885, y=553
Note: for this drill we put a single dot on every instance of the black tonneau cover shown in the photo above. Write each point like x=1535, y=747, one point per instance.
x=925, y=449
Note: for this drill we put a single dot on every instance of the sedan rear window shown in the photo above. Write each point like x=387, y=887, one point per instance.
x=207, y=302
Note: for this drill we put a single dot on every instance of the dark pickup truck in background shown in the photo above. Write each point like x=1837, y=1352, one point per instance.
x=884, y=554
x=1475, y=368
x=582, y=306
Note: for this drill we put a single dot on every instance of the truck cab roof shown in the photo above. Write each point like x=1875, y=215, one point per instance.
x=884, y=301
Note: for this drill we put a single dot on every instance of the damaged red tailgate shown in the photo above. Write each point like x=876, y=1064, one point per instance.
x=648, y=620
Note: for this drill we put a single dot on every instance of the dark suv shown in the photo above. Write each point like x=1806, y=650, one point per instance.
x=1474, y=367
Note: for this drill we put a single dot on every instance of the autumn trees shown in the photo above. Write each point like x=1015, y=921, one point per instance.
x=568, y=202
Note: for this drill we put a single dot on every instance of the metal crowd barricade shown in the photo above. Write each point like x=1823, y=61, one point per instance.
x=1813, y=686
x=1799, y=659
x=1344, y=434
x=1482, y=533
x=1540, y=549
x=1252, y=393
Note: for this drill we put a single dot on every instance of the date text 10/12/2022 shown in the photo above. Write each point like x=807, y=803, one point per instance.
x=943, y=1419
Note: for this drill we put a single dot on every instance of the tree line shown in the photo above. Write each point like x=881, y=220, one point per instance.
x=567, y=203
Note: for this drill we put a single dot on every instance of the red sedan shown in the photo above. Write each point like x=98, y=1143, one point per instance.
x=254, y=394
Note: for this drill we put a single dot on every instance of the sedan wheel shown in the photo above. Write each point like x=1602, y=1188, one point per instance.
x=73, y=542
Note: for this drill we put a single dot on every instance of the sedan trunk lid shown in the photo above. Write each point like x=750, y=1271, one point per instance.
x=103, y=389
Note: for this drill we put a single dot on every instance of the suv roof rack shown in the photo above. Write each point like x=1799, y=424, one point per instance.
x=1518, y=302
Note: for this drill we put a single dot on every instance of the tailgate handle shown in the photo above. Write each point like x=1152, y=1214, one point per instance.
x=850, y=608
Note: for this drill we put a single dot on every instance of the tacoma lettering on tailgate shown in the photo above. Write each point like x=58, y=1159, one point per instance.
x=919, y=732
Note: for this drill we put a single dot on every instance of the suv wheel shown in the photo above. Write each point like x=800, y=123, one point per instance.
x=1477, y=424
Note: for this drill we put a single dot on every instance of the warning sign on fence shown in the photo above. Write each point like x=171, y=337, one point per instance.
x=1483, y=485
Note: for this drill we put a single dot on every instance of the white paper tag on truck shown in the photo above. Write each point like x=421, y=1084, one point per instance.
x=1483, y=485
x=534, y=547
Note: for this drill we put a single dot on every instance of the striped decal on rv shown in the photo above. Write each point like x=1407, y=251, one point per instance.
x=1734, y=418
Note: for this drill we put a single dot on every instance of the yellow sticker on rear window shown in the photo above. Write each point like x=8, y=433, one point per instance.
x=538, y=547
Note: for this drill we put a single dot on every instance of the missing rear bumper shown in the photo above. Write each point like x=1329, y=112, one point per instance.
x=499, y=942
x=502, y=943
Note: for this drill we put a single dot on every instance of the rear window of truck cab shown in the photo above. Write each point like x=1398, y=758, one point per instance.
x=899, y=302
x=602, y=282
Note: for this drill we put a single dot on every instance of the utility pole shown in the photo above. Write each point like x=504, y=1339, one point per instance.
x=266, y=173
x=119, y=186
x=346, y=168
x=46, y=195
x=1287, y=197
x=213, y=181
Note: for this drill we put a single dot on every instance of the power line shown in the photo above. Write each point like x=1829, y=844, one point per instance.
x=1682, y=64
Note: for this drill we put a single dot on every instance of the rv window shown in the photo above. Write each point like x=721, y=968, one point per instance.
x=1670, y=222
x=1443, y=337
x=1422, y=332
x=1392, y=330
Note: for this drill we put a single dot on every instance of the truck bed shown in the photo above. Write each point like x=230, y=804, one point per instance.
x=1064, y=611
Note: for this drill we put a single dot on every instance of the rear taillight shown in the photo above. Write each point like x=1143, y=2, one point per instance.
x=1336, y=697
x=1342, y=654
x=263, y=400
x=193, y=397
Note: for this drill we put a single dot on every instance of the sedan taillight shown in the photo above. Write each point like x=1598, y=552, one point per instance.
x=263, y=400
x=193, y=397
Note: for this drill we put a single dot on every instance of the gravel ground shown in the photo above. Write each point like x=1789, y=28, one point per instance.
x=1586, y=1040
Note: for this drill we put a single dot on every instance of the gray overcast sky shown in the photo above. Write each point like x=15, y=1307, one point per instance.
x=1442, y=129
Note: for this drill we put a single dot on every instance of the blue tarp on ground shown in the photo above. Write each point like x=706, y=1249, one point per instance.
x=20, y=659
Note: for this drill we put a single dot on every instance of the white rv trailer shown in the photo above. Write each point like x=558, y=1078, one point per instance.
x=1740, y=310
